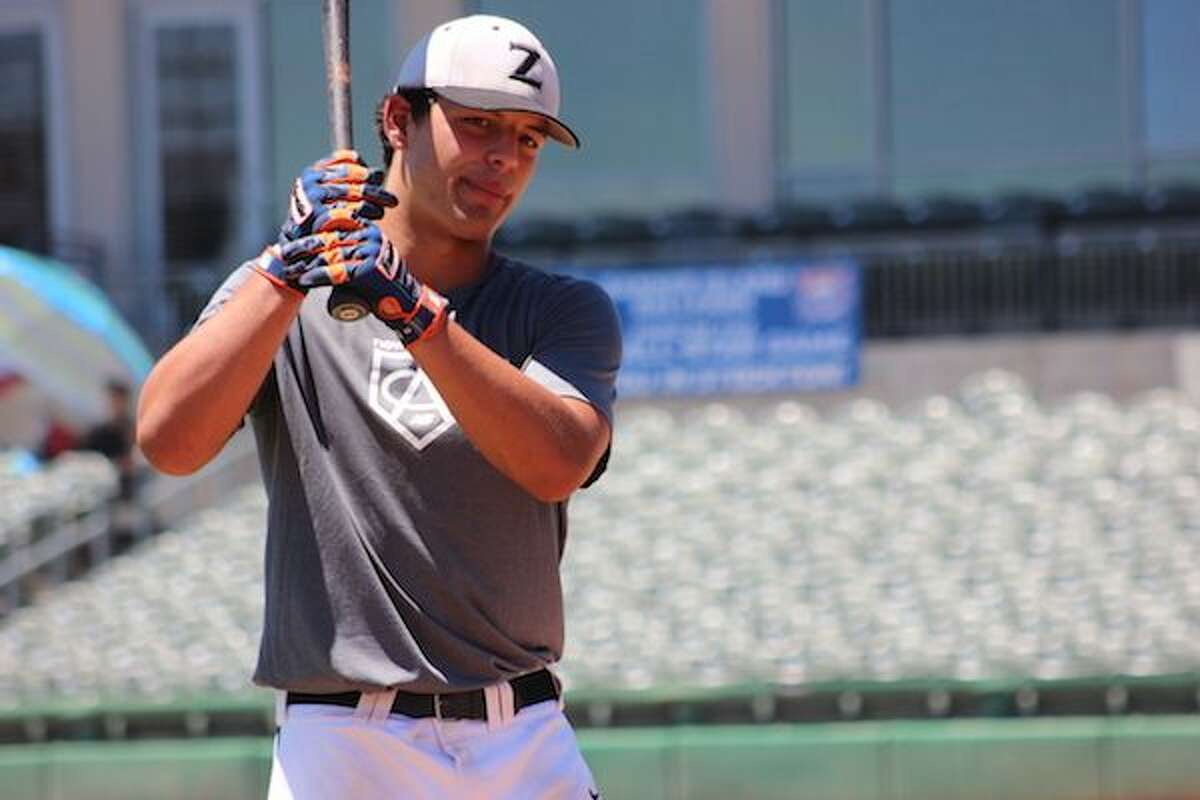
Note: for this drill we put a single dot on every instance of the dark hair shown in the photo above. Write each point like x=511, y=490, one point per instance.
x=419, y=101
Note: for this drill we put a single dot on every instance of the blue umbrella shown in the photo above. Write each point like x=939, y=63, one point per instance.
x=61, y=334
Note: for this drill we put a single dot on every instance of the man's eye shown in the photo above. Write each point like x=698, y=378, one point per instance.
x=532, y=142
x=478, y=122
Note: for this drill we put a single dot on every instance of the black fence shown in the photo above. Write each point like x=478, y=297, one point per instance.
x=1033, y=287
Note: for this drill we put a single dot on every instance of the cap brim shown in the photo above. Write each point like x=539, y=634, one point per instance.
x=488, y=100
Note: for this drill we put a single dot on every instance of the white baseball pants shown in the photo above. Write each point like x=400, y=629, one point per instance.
x=333, y=753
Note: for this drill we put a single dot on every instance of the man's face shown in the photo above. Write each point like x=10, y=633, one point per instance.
x=468, y=168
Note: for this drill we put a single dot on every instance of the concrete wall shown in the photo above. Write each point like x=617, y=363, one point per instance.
x=99, y=203
x=1118, y=364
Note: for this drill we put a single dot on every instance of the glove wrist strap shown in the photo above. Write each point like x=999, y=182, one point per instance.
x=428, y=316
x=265, y=265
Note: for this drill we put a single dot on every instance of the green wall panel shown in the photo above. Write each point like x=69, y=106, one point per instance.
x=1149, y=758
x=1049, y=759
x=199, y=770
x=832, y=762
x=631, y=764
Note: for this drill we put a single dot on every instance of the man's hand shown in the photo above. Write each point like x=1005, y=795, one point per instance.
x=365, y=261
x=336, y=193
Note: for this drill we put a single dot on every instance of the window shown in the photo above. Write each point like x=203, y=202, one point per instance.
x=827, y=127
x=1171, y=48
x=24, y=167
x=198, y=140
x=912, y=97
x=997, y=89
x=201, y=171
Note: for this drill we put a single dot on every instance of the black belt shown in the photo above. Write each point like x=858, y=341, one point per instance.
x=536, y=687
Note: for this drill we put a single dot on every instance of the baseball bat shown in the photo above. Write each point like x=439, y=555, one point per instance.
x=343, y=304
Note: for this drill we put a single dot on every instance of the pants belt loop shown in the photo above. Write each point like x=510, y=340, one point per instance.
x=365, y=710
x=508, y=705
x=280, y=708
x=383, y=704
x=499, y=699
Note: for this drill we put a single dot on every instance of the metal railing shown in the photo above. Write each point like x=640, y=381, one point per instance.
x=1045, y=286
x=62, y=547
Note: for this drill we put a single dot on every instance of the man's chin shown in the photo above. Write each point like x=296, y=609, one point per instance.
x=479, y=223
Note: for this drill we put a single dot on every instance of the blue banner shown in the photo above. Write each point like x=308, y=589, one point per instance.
x=730, y=329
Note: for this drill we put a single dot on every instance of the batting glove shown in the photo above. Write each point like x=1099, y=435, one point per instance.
x=365, y=261
x=270, y=265
x=336, y=193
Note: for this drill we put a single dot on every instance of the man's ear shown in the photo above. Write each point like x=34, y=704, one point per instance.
x=397, y=116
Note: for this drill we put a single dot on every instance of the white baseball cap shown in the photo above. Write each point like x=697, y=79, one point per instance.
x=490, y=63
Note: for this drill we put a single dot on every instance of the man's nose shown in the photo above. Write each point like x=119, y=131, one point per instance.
x=502, y=154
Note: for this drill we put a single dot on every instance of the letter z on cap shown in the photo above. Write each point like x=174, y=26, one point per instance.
x=490, y=63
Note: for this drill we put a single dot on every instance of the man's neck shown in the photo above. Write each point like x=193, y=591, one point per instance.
x=437, y=259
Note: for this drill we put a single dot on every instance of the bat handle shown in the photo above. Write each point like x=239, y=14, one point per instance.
x=345, y=305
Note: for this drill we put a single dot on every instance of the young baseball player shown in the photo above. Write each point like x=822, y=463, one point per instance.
x=418, y=462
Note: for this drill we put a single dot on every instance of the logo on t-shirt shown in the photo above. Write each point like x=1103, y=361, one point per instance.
x=404, y=397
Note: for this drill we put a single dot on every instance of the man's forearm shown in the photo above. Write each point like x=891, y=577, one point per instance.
x=545, y=443
x=197, y=394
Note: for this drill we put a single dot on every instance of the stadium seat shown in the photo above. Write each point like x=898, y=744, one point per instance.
x=941, y=212
x=538, y=232
x=40, y=501
x=1173, y=200
x=869, y=214
x=607, y=229
x=793, y=220
x=1024, y=208
x=694, y=223
x=975, y=536
x=1105, y=203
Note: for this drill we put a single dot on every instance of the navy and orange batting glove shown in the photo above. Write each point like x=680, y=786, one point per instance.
x=364, y=261
x=270, y=265
x=336, y=193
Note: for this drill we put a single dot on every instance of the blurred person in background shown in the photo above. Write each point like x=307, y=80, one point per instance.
x=114, y=437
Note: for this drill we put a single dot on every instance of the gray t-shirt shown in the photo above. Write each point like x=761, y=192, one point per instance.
x=396, y=555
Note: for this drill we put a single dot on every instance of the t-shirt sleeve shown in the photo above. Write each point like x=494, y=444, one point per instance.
x=577, y=350
x=230, y=285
